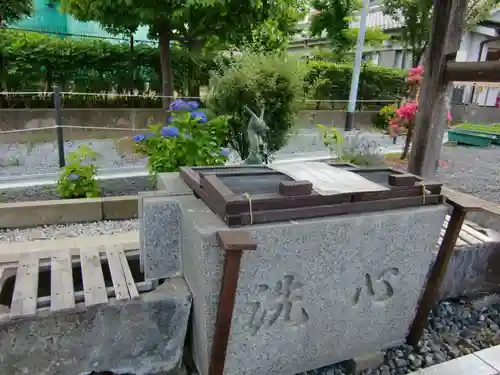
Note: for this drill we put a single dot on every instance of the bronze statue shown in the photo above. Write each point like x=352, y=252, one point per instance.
x=256, y=130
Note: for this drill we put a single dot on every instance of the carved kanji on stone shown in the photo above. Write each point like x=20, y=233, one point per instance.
x=375, y=294
x=284, y=300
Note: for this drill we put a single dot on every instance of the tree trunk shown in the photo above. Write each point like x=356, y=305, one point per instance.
x=193, y=84
x=132, y=63
x=167, y=87
x=430, y=121
x=407, y=143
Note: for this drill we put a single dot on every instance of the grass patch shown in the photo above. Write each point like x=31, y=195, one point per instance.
x=395, y=157
x=493, y=128
x=394, y=160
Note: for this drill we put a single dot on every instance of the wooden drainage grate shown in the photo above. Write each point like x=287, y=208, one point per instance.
x=468, y=234
x=64, y=278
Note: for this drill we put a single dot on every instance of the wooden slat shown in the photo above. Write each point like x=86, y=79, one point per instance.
x=117, y=273
x=25, y=288
x=460, y=242
x=62, y=296
x=468, y=228
x=465, y=236
x=132, y=288
x=93, y=278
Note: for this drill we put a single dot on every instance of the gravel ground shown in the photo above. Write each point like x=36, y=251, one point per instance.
x=52, y=232
x=455, y=328
x=472, y=170
x=18, y=159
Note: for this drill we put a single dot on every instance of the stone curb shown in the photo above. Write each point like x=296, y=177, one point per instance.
x=66, y=211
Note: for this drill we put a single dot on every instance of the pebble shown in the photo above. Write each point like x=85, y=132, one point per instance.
x=436, y=346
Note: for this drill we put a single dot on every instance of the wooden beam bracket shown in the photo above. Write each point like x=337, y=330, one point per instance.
x=233, y=242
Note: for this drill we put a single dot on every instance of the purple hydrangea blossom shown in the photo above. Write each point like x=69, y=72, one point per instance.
x=169, y=131
x=179, y=105
x=138, y=137
x=73, y=177
x=200, y=116
x=193, y=104
x=224, y=151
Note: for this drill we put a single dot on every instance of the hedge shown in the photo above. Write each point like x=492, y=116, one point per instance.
x=34, y=62
x=331, y=81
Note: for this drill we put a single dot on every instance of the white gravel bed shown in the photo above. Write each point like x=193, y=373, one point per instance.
x=25, y=159
x=53, y=232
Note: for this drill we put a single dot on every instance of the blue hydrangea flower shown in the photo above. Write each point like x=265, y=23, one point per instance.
x=169, y=121
x=149, y=135
x=179, y=105
x=224, y=151
x=138, y=137
x=73, y=177
x=169, y=131
x=193, y=104
x=199, y=116
x=187, y=136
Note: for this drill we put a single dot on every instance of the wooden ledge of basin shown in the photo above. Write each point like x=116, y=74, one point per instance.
x=235, y=240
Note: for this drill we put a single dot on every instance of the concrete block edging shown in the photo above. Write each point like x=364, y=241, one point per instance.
x=67, y=211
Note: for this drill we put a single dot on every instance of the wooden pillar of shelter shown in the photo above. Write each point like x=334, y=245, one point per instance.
x=440, y=71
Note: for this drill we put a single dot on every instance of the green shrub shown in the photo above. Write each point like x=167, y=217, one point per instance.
x=384, y=116
x=77, y=179
x=273, y=81
x=332, y=81
x=188, y=138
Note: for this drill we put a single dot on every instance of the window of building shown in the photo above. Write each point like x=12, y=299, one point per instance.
x=398, y=59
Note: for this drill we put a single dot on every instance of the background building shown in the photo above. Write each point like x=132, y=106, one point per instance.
x=48, y=18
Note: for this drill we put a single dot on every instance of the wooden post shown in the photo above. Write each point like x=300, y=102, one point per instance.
x=430, y=123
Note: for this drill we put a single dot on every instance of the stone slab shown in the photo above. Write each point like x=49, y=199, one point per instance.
x=173, y=184
x=473, y=270
x=159, y=236
x=316, y=291
x=491, y=356
x=144, y=336
x=466, y=365
x=367, y=362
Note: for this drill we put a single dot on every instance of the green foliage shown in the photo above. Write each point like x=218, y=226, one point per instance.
x=14, y=10
x=415, y=17
x=331, y=81
x=77, y=178
x=186, y=22
x=384, y=116
x=188, y=138
x=273, y=81
x=493, y=128
x=333, y=18
x=34, y=62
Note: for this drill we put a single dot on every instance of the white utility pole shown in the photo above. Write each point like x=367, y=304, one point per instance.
x=349, y=119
